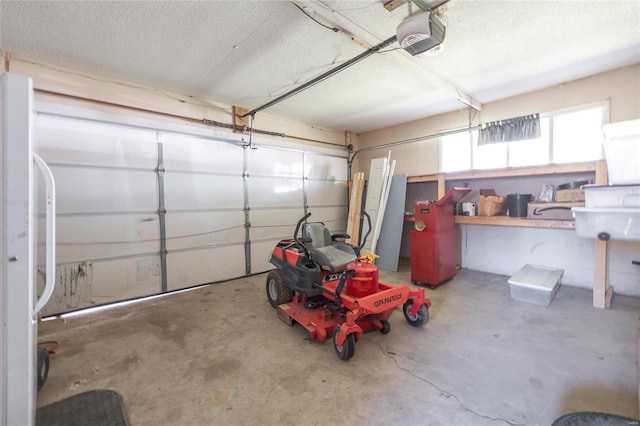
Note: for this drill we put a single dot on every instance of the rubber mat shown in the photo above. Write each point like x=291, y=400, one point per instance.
x=588, y=418
x=96, y=408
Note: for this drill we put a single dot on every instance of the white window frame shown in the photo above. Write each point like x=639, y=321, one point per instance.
x=605, y=105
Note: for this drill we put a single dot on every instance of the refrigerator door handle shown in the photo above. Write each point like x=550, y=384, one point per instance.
x=50, y=241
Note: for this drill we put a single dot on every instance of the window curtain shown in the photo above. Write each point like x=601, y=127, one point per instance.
x=513, y=129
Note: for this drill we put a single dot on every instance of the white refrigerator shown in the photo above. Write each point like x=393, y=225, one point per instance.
x=19, y=301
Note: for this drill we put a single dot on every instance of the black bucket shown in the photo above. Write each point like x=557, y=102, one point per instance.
x=518, y=204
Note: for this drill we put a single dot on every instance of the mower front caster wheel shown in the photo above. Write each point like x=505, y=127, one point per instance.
x=277, y=293
x=346, y=350
x=386, y=327
x=420, y=318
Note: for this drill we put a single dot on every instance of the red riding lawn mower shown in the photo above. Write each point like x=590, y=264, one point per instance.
x=324, y=284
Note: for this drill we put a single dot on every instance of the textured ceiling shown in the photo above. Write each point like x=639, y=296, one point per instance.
x=246, y=53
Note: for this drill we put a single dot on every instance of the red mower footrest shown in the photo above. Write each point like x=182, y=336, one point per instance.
x=384, y=300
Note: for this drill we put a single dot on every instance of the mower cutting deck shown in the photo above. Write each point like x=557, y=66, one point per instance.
x=324, y=285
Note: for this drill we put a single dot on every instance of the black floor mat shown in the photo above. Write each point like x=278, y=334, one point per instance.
x=95, y=408
x=588, y=418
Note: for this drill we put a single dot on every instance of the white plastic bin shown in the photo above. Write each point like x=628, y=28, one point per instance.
x=608, y=223
x=622, y=149
x=535, y=284
x=612, y=196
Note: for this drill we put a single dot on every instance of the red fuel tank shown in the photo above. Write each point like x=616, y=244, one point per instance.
x=366, y=280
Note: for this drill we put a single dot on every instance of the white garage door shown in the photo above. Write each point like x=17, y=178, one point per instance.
x=141, y=211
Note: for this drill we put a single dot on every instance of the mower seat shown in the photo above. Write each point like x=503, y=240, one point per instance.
x=330, y=255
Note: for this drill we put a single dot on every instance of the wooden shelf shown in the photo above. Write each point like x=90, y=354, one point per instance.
x=522, y=222
x=515, y=221
x=423, y=178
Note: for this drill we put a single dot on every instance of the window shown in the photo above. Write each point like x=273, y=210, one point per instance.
x=566, y=137
x=577, y=136
x=491, y=156
x=531, y=152
x=456, y=151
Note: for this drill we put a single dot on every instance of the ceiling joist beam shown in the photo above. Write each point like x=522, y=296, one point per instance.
x=391, y=5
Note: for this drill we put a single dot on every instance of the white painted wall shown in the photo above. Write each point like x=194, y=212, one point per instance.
x=621, y=87
x=504, y=250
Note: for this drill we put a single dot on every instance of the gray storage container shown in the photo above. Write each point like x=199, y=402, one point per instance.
x=535, y=284
x=612, y=196
x=607, y=223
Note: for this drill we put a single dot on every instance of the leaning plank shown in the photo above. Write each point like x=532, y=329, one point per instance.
x=351, y=193
x=358, y=211
x=390, y=238
x=383, y=205
x=355, y=208
x=374, y=221
x=374, y=191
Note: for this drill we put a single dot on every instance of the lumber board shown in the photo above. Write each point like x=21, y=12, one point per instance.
x=374, y=192
x=355, y=208
x=383, y=204
x=390, y=238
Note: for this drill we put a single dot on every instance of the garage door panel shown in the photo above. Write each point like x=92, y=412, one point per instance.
x=85, y=190
x=190, y=191
x=194, y=154
x=275, y=162
x=325, y=167
x=100, y=237
x=126, y=278
x=260, y=256
x=334, y=218
x=275, y=192
x=85, y=284
x=275, y=224
x=201, y=229
x=326, y=193
x=194, y=267
x=61, y=140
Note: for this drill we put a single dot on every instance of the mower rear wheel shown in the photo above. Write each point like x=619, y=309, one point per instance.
x=346, y=350
x=42, y=366
x=386, y=327
x=420, y=318
x=277, y=292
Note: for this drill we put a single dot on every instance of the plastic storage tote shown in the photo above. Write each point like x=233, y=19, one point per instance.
x=608, y=223
x=622, y=149
x=627, y=196
x=535, y=284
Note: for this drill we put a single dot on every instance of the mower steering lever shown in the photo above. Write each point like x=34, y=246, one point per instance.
x=364, y=240
x=349, y=273
x=297, y=240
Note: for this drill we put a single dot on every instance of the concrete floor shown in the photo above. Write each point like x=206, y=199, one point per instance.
x=220, y=355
